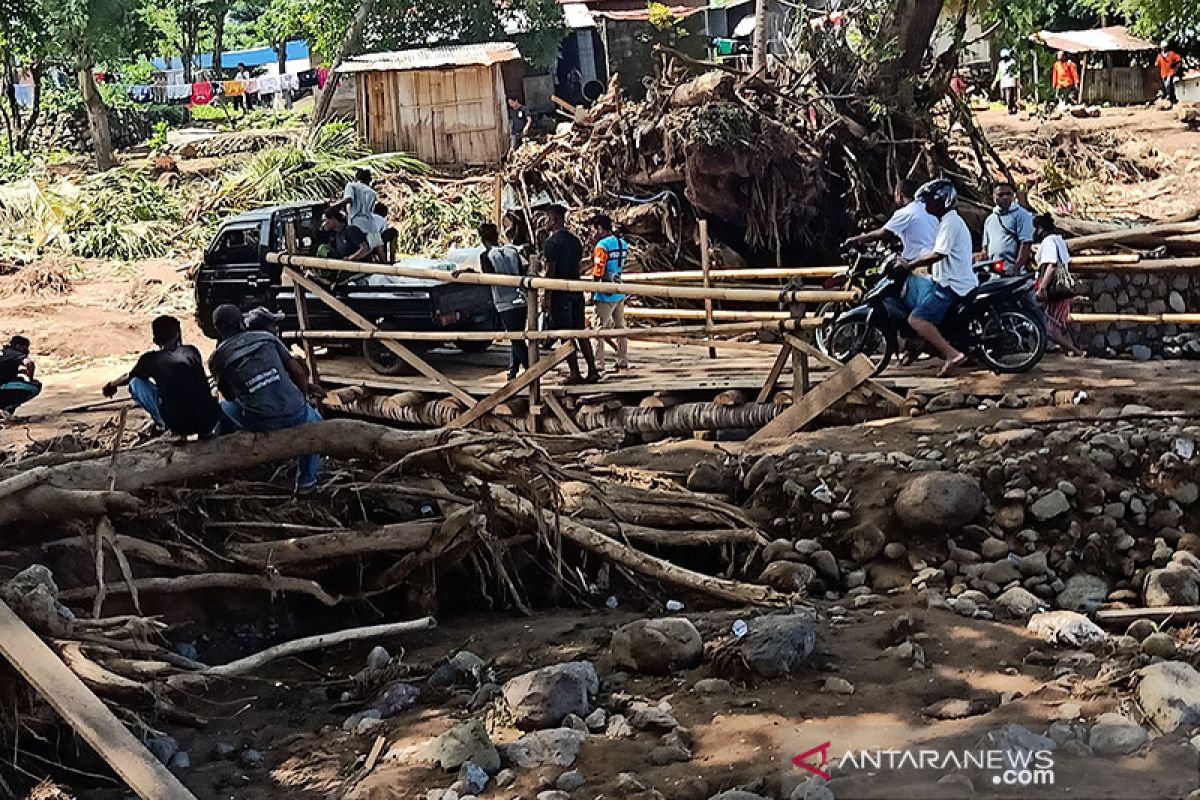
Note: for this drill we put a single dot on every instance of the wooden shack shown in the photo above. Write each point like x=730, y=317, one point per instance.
x=445, y=105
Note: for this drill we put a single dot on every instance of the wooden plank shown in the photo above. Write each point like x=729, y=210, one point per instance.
x=827, y=392
x=1123, y=616
x=90, y=718
x=556, y=408
x=829, y=361
x=705, y=268
x=518, y=383
x=409, y=357
x=781, y=360
x=303, y=321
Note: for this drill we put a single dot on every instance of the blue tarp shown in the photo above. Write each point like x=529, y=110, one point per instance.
x=255, y=57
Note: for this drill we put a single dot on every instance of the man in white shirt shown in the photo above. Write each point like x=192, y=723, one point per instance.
x=911, y=225
x=950, y=262
x=1007, y=79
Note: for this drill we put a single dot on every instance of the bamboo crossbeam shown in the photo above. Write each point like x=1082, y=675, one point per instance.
x=549, y=335
x=1081, y=264
x=766, y=273
x=719, y=314
x=1143, y=319
x=560, y=285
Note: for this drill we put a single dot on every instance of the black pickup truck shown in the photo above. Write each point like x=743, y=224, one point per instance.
x=235, y=270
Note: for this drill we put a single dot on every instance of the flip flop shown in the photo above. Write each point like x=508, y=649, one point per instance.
x=949, y=366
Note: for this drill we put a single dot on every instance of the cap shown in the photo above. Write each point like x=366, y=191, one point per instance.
x=227, y=317
x=258, y=319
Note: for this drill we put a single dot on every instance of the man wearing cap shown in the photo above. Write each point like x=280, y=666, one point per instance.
x=264, y=319
x=609, y=257
x=261, y=385
x=17, y=383
x=1170, y=66
x=563, y=251
x=169, y=384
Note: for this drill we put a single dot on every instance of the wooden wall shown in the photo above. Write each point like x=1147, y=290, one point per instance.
x=443, y=116
x=1120, y=85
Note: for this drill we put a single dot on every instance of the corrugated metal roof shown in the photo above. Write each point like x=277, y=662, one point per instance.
x=455, y=55
x=1098, y=40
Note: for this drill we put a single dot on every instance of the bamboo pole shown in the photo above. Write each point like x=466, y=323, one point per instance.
x=719, y=314
x=560, y=285
x=762, y=273
x=1143, y=319
x=706, y=270
x=1078, y=264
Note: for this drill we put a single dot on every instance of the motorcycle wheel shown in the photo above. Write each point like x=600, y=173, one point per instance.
x=1010, y=341
x=830, y=310
x=848, y=339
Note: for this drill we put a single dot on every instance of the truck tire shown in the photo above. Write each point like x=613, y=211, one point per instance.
x=385, y=362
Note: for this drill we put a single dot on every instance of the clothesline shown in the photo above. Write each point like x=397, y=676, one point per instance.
x=204, y=92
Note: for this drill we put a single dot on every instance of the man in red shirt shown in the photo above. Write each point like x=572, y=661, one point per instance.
x=1170, y=66
x=1064, y=78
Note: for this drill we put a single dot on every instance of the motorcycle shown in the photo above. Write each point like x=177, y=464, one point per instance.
x=862, y=273
x=997, y=323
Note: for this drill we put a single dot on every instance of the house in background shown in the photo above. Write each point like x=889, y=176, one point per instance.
x=262, y=59
x=1114, y=67
x=445, y=105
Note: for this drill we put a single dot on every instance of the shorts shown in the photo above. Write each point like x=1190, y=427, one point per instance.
x=936, y=304
x=566, y=311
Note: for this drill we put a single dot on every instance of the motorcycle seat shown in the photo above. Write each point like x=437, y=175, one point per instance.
x=995, y=285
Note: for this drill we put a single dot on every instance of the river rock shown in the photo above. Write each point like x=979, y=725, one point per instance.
x=1173, y=585
x=1050, y=506
x=1083, y=593
x=542, y=697
x=788, y=577
x=1116, y=735
x=1066, y=629
x=777, y=645
x=866, y=542
x=659, y=646
x=1018, y=603
x=462, y=743
x=939, y=502
x=556, y=747
x=1170, y=695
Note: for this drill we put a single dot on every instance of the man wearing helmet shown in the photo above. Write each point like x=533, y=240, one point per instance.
x=1007, y=79
x=950, y=266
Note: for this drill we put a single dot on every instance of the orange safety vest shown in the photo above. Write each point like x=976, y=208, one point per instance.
x=1064, y=75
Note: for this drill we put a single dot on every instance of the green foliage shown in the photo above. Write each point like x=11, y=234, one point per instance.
x=722, y=126
x=158, y=139
x=1175, y=20
x=431, y=224
x=316, y=166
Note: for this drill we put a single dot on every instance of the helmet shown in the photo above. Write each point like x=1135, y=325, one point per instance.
x=941, y=190
x=1164, y=44
x=1006, y=53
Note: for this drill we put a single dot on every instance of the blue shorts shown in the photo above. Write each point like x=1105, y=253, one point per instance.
x=936, y=304
x=916, y=289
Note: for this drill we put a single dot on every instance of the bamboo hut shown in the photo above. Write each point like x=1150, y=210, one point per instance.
x=445, y=105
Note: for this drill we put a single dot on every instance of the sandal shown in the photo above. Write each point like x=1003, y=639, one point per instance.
x=950, y=364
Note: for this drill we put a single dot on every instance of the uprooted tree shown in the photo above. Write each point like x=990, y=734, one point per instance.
x=780, y=159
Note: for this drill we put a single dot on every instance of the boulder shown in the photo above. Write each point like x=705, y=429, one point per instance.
x=777, y=645
x=659, y=646
x=542, y=697
x=712, y=477
x=1018, y=603
x=462, y=743
x=1173, y=585
x=556, y=747
x=939, y=502
x=788, y=577
x=1083, y=593
x=866, y=542
x=1116, y=735
x=1050, y=506
x=1169, y=693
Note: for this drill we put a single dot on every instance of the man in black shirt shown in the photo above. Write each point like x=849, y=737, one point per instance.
x=17, y=384
x=261, y=386
x=170, y=384
x=563, y=251
x=518, y=122
x=349, y=242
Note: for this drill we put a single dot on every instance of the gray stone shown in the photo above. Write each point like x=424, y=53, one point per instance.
x=472, y=777
x=946, y=401
x=812, y=788
x=542, y=697
x=1186, y=493
x=835, y=685
x=992, y=548
x=647, y=717
x=1170, y=695
x=251, y=758
x=939, y=502
x=553, y=794
x=1015, y=739
x=1065, y=628
x=597, y=720
x=1141, y=353
x=956, y=708
x=1050, y=506
x=1116, y=735
x=618, y=727
x=788, y=577
x=575, y=723
x=1173, y=585
x=867, y=541
x=556, y=747
x=180, y=760
x=1001, y=572
x=462, y=743
x=763, y=469
x=712, y=686
x=379, y=657
x=463, y=669
x=627, y=783
x=827, y=565
x=163, y=747
x=777, y=645
x=712, y=477
x=1159, y=644
x=894, y=550
x=1140, y=628
x=659, y=646
x=1033, y=564
x=1018, y=603
x=570, y=780
x=675, y=753
x=1082, y=593
x=736, y=794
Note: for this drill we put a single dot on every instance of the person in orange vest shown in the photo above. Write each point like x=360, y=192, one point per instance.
x=1064, y=78
x=1170, y=68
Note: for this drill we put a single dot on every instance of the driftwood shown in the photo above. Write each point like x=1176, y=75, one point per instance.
x=399, y=537
x=209, y=580
x=1139, y=235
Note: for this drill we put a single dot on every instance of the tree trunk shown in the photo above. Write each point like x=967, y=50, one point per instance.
x=218, y=37
x=97, y=114
x=913, y=25
x=759, y=51
x=30, y=121
x=321, y=111
x=284, y=99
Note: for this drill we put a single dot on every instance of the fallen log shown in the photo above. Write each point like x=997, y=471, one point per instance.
x=633, y=559
x=206, y=581
x=399, y=537
x=668, y=537
x=1120, y=617
x=1129, y=235
x=308, y=643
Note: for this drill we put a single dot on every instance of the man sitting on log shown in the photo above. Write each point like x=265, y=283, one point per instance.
x=262, y=386
x=17, y=384
x=563, y=252
x=170, y=385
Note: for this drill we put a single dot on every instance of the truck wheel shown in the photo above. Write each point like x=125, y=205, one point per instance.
x=385, y=362
x=473, y=345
